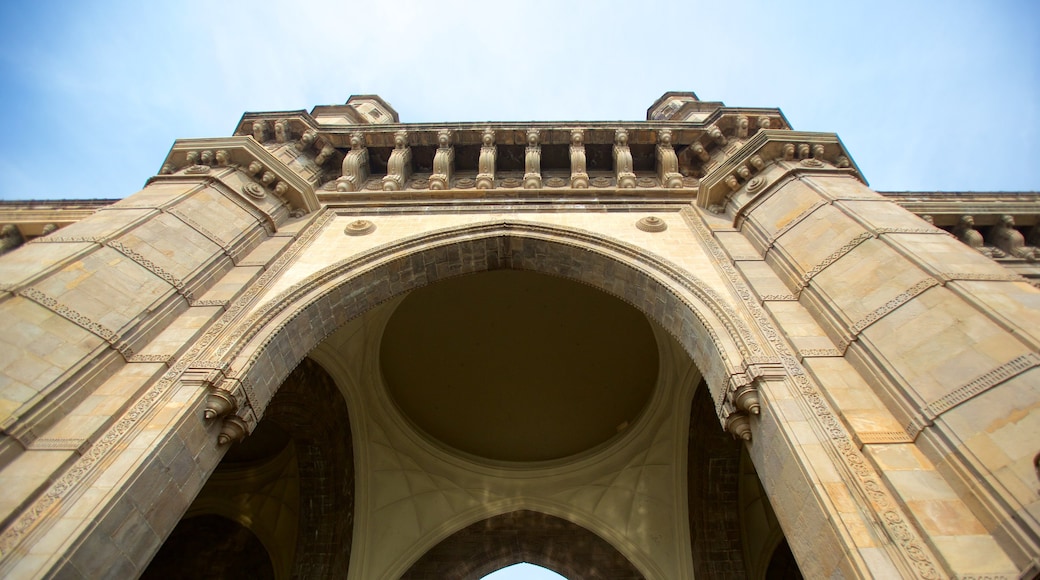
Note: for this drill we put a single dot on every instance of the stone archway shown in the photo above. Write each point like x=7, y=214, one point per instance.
x=705, y=328
x=266, y=346
x=523, y=536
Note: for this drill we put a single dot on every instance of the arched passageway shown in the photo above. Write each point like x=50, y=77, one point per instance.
x=284, y=495
x=523, y=536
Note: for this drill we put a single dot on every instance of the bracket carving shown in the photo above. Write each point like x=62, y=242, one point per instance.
x=486, y=162
x=399, y=167
x=533, y=161
x=579, y=175
x=443, y=162
x=355, y=165
x=667, y=160
x=626, y=177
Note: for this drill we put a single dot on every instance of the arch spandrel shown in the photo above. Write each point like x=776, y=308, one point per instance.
x=717, y=337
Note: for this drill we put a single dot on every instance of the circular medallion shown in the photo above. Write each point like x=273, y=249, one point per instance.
x=253, y=189
x=646, y=182
x=375, y=184
x=600, y=181
x=419, y=183
x=509, y=182
x=555, y=182
x=329, y=186
x=810, y=162
x=359, y=228
x=197, y=170
x=465, y=183
x=691, y=182
x=652, y=224
x=756, y=183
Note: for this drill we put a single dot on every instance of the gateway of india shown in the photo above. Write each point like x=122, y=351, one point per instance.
x=335, y=345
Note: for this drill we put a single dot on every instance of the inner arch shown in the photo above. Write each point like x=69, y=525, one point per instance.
x=515, y=365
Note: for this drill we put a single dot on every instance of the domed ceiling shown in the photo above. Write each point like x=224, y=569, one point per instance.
x=517, y=366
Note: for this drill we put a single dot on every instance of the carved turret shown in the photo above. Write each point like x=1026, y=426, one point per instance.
x=533, y=161
x=443, y=162
x=626, y=177
x=667, y=161
x=579, y=175
x=1011, y=241
x=399, y=167
x=966, y=232
x=355, y=165
x=486, y=163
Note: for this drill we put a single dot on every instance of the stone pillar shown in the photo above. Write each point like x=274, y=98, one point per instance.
x=942, y=339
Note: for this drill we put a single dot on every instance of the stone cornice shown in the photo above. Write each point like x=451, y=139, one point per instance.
x=768, y=145
x=243, y=151
x=515, y=133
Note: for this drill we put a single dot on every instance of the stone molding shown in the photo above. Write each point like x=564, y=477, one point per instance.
x=108, y=335
x=971, y=389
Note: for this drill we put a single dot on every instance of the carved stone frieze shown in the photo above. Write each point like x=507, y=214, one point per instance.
x=399, y=167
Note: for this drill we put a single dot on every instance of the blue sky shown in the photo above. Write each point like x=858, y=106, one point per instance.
x=925, y=95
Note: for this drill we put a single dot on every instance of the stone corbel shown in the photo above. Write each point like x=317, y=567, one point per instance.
x=260, y=131
x=623, y=166
x=283, y=131
x=443, y=162
x=579, y=175
x=219, y=403
x=667, y=160
x=742, y=127
x=232, y=430
x=486, y=162
x=533, y=161
x=399, y=166
x=307, y=140
x=355, y=165
x=739, y=425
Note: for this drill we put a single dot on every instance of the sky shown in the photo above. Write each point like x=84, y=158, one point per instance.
x=926, y=96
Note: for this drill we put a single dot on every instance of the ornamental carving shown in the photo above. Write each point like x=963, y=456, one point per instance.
x=486, y=161
x=579, y=175
x=1011, y=241
x=253, y=190
x=399, y=167
x=626, y=177
x=306, y=140
x=197, y=170
x=667, y=161
x=717, y=136
x=601, y=181
x=282, y=131
x=651, y=224
x=324, y=155
x=742, y=127
x=966, y=233
x=260, y=131
x=443, y=162
x=355, y=165
x=700, y=152
x=359, y=228
x=533, y=161
x=757, y=182
x=232, y=430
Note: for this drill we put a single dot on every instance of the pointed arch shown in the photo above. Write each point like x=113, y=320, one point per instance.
x=266, y=346
x=523, y=536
